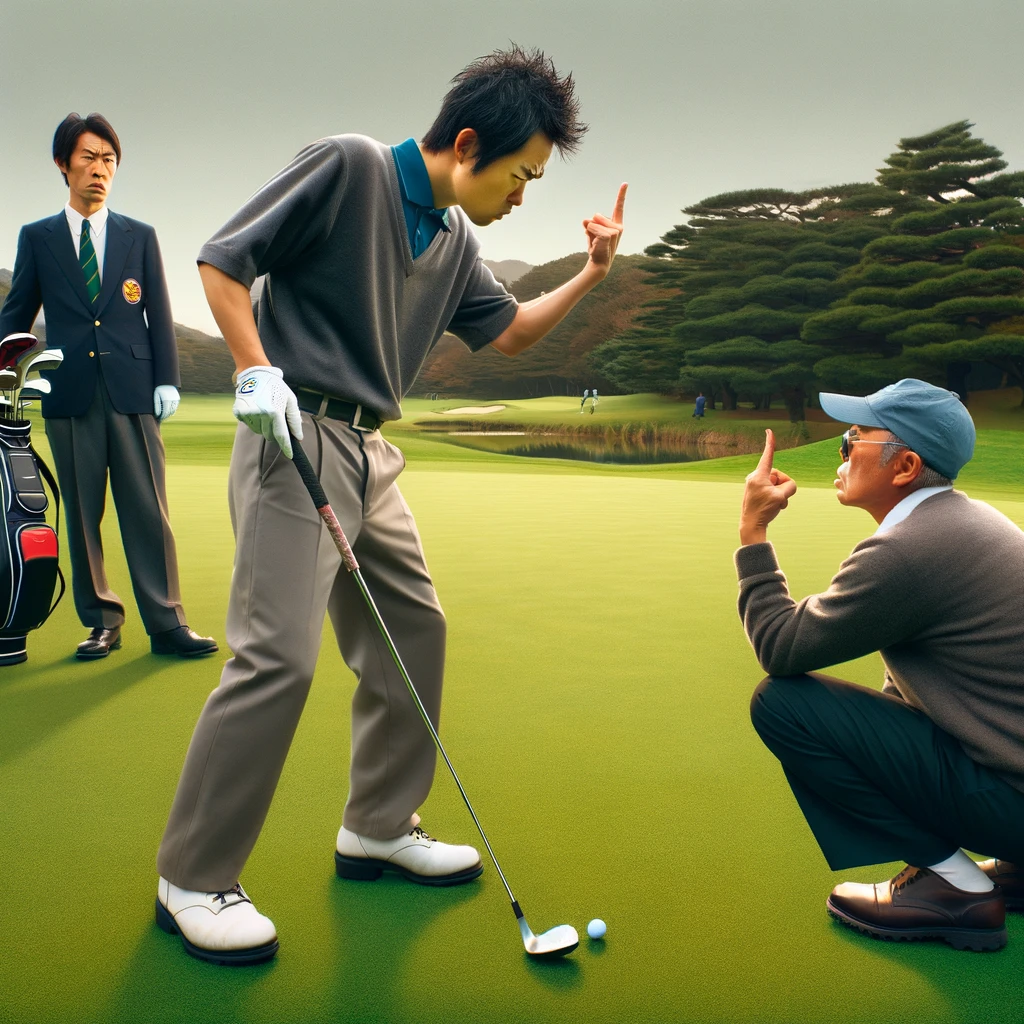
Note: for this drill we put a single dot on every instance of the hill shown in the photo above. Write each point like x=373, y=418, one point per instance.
x=560, y=363
x=508, y=271
x=205, y=362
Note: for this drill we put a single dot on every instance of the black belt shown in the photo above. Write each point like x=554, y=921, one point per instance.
x=358, y=417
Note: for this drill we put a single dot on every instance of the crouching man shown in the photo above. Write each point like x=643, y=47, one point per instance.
x=934, y=763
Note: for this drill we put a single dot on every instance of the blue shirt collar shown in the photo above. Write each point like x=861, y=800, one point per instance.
x=414, y=180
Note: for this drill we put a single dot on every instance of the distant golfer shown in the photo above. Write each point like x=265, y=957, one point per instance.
x=583, y=402
x=593, y=402
x=369, y=258
x=935, y=761
x=698, y=407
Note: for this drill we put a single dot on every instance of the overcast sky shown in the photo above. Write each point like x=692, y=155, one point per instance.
x=685, y=98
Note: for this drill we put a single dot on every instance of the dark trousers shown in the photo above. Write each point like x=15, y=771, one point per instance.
x=129, y=446
x=878, y=781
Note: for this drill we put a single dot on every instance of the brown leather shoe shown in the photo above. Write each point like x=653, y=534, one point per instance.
x=1009, y=877
x=99, y=643
x=919, y=904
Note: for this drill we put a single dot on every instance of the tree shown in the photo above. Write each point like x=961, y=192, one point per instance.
x=745, y=272
x=927, y=296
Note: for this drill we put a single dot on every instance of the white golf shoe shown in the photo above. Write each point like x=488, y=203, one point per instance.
x=222, y=927
x=415, y=855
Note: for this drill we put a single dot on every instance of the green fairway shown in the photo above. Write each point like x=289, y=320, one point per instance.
x=596, y=710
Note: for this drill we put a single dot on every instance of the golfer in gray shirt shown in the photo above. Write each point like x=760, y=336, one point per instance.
x=368, y=257
x=933, y=764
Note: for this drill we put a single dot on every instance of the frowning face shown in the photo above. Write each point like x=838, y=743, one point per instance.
x=499, y=187
x=90, y=172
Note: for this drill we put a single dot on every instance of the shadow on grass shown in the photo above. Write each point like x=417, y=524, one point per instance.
x=32, y=708
x=161, y=982
x=375, y=927
x=975, y=986
x=353, y=971
x=559, y=975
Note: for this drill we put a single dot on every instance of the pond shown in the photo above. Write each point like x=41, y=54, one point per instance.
x=579, y=447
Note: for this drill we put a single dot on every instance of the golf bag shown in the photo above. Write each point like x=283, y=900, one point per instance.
x=29, y=571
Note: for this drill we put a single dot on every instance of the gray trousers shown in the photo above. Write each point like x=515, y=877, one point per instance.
x=129, y=446
x=287, y=576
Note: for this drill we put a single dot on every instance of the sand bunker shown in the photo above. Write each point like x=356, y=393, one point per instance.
x=474, y=410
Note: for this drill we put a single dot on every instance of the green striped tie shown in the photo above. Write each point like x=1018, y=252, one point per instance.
x=90, y=265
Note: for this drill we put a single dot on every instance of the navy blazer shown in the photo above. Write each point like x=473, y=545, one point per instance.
x=138, y=351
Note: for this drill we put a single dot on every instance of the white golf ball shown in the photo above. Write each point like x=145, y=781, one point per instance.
x=597, y=928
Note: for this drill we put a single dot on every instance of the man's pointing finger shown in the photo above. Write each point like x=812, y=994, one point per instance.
x=620, y=203
x=765, y=464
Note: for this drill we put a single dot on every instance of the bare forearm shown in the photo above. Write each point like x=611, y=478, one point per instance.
x=538, y=316
x=231, y=305
x=752, y=533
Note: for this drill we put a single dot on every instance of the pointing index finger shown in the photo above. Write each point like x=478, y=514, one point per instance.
x=765, y=463
x=620, y=203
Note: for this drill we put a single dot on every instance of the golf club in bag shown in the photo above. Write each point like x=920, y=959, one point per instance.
x=555, y=941
x=29, y=569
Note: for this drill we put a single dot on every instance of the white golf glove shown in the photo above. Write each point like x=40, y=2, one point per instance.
x=266, y=405
x=165, y=401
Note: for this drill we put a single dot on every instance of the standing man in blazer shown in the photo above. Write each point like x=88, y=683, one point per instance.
x=100, y=281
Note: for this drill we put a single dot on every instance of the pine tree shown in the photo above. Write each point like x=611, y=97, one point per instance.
x=939, y=291
x=744, y=273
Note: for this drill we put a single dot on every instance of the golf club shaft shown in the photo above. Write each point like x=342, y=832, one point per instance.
x=323, y=506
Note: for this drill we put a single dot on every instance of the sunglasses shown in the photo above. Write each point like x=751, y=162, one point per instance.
x=844, y=447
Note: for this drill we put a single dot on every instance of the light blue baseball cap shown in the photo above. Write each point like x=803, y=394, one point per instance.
x=931, y=420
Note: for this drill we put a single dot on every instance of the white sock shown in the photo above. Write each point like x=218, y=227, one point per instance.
x=961, y=871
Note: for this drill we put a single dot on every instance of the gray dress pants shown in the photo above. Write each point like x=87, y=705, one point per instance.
x=128, y=445
x=287, y=576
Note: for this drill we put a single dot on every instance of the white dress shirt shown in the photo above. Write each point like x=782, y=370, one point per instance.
x=97, y=231
x=900, y=512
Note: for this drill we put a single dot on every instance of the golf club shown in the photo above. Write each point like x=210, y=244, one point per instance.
x=48, y=359
x=8, y=379
x=34, y=360
x=555, y=941
x=33, y=390
x=14, y=346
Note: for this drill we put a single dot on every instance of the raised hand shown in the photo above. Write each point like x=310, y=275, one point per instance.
x=766, y=494
x=603, y=233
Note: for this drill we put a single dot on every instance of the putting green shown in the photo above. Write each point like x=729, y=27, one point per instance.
x=596, y=710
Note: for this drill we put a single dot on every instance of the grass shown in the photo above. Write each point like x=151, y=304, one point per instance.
x=595, y=709
x=202, y=432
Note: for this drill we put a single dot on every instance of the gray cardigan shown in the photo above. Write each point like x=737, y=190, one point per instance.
x=940, y=596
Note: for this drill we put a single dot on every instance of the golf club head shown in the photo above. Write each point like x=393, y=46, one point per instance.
x=555, y=942
x=8, y=379
x=23, y=364
x=31, y=382
x=35, y=389
x=15, y=347
x=48, y=359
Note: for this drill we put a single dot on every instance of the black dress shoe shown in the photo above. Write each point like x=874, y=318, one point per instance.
x=100, y=642
x=184, y=642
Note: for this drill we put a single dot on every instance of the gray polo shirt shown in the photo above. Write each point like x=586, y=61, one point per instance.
x=345, y=309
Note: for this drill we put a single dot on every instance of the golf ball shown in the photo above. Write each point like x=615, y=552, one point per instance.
x=597, y=928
